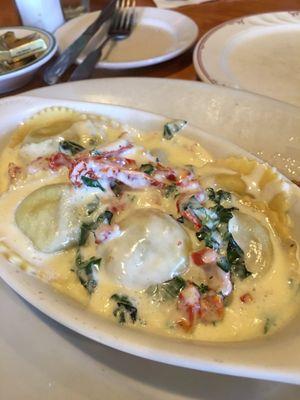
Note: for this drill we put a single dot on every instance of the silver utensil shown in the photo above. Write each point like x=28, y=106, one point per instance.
x=120, y=28
x=68, y=57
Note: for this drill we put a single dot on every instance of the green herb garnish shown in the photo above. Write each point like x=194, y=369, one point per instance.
x=212, y=238
x=202, y=288
x=173, y=127
x=166, y=291
x=125, y=309
x=70, y=148
x=209, y=217
x=170, y=190
x=215, y=234
x=105, y=218
x=218, y=196
x=86, y=228
x=236, y=259
x=147, y=168
x=240, y=270
x=224, y=214
x=269, y=323
x=92, y=183
x=87, y=272
x=224, y=264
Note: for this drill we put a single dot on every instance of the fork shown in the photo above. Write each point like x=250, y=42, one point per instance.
x=120, y=28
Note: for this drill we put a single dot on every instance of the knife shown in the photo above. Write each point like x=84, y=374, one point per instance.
x=68, y=57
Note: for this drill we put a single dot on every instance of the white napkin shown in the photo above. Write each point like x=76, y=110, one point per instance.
x=177, y=3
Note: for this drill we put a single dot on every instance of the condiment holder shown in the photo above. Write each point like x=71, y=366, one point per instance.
x=23, y=50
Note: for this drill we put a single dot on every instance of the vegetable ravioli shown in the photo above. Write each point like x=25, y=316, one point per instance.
x=146, y=229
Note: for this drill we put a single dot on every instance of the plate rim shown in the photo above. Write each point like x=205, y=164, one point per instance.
x=144, y=62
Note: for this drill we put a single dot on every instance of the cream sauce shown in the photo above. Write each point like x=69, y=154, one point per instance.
x=146, y=244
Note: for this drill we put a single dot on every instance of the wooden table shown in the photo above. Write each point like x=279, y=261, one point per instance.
x=206, y=15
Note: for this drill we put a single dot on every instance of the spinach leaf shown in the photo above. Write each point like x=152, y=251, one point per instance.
x=170, y=190
x=208, y=216
x=210, y=193
x=224, y=264
x=166, y=291
x=70, y=148
x=224, y=214
x=85, y=229
x=87, y=272
x=212, y=238
x=92, y=183
x=236, y=259
x=214, y=232
x=202, y=288
x=218, y=196
x=173, y=127
x=147, y=168
x=213, y=216
x=125, y=309
x=269, y=323
x=192, y=204
x=105, y=217
x=234, y=252
x=240, y=270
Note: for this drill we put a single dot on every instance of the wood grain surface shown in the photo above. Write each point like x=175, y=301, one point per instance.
x=206, y=16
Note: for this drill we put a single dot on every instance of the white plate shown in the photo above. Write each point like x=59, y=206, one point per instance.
x=275, y=358
x=259, y=53
x=159, y=35
x=55, y=363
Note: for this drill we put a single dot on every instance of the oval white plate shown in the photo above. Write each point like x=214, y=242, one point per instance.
x=237, y=116
x=159, y=35
x=275, y=358
x=259, y=53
